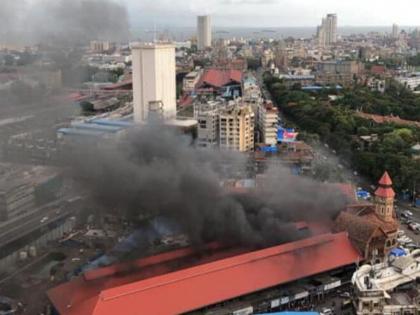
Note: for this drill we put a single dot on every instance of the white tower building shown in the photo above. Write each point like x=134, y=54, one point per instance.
x=154, y=81
x=395, y=31
x=327, y=31
x=203, y=32
x=331, y=34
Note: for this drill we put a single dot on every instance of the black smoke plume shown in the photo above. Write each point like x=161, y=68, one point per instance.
x=64, y=22
x=154, y=171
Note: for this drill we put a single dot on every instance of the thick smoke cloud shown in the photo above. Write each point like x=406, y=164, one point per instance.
x=154, y=171
x=10, y=18
x=62, y=21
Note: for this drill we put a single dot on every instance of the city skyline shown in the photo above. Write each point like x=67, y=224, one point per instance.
x=271, y=13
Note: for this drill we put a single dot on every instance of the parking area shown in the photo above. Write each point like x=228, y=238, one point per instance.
x=409, y=235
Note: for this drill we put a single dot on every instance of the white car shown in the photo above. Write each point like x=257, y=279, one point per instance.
x=404, y=240
x=326, y=311
x=44, y=219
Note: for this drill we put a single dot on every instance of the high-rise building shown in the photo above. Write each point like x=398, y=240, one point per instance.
x=338, y=72
x=236, y=128
x=207, y=115
x=203, y=32
x=327, y=31
x=97, y=46
x=395, y=31
x=268, y=118
x=154, y=81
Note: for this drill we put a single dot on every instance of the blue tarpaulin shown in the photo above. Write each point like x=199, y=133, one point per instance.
x=269, y=149
x=397, y=252
x=363, y=194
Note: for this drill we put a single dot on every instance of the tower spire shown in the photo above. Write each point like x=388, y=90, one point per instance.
x=384, y=198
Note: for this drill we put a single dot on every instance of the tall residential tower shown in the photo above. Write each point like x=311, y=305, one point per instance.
x=327, y=31
x=203, y=32
x=154, y=81
x=395, y=31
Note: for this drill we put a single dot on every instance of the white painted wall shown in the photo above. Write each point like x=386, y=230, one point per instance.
x=203, y=32
x=154, y=79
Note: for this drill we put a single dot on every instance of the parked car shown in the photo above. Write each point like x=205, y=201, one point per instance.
x=347, y=303
x=44, y=219
x=408, y=213
x=326, y=311
x=403, y=215
x=345, y=295
x=411, y=246
x=404, y=240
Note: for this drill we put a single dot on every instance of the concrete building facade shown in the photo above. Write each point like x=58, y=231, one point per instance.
x=207, y=116
x=268, y=117
x=410, y=81
x=327, y=31
x=97, y=46
x=395, y=31
x=337, y=72
x=203, y=32
x=154, y=81
x=236, y=128
x=191, y=80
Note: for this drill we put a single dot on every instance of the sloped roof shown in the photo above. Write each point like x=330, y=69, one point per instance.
x=358, y=227
x=385, y=226
x=378, y=69
x=385, y=180
x=220, y=77
x=385, y=190
x=207, y=284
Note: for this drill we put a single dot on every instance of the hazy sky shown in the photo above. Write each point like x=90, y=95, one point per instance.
x=274, y=12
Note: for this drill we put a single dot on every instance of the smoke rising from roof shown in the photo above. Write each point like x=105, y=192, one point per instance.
x=62, y=21
x=153, y=171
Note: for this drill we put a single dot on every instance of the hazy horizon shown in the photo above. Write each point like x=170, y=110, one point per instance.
x=273, y=13
x=181, y=33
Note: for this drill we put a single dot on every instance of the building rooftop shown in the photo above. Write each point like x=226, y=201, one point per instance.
x=156, y=45
x=388, y=275
x=385, y=190
x=220, y=77
x=207, y=284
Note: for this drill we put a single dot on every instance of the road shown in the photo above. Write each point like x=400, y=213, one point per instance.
x=38, y=119
x=329, y=166
x=42, y=217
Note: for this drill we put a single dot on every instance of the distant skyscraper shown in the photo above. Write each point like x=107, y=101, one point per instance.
x=327, y=31
x=395, y=31
x=203, y=32
x=154, y=81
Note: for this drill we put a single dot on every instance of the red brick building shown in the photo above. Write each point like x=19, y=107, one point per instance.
x=372, y=228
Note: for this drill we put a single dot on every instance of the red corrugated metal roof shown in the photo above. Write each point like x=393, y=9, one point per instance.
x=349, y=190
x=127, y=85
x=83, y=292
x=378, y=69
x=193, y=288
x=220, y=77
